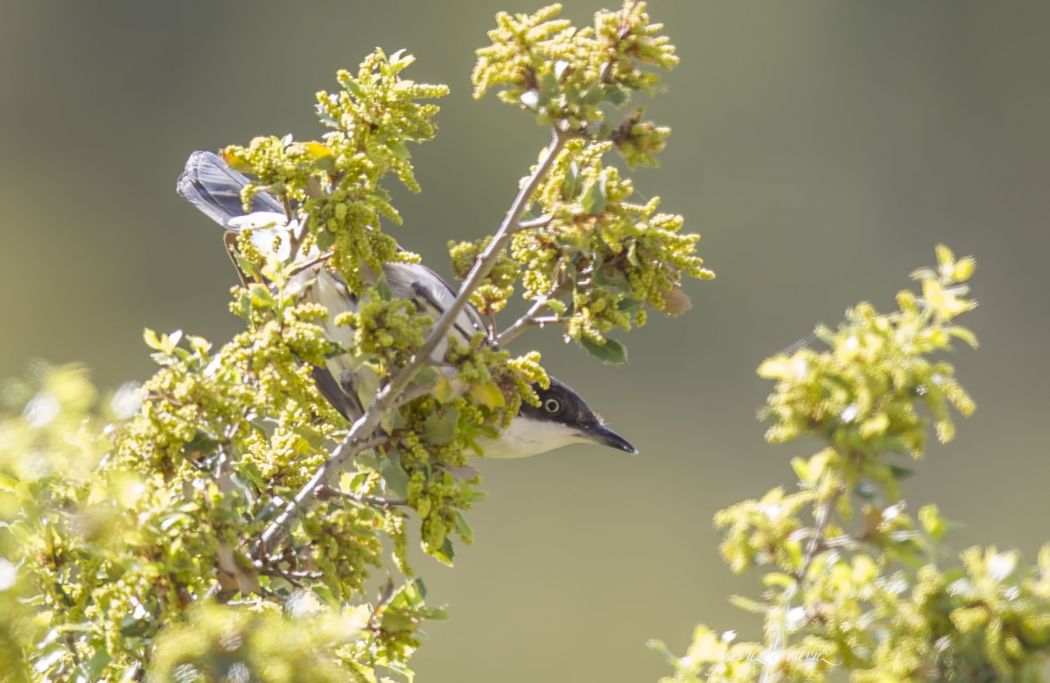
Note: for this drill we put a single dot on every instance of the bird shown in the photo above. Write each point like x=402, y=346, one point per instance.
x=562, y=416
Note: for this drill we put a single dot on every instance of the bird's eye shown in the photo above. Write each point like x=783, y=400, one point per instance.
x=551, y=405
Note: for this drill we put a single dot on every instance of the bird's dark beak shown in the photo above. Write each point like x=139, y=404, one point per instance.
x=607, y=437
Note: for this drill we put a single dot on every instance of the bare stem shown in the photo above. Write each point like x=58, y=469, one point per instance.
x=824, y=513
x=312, y=262
x=531, y=318
x=538, y=222
x=360, y=436
x=363, y=499
x=526, y=321
x=346, y=451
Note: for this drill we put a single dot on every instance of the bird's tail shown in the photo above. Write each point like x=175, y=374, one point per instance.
x=214, y=188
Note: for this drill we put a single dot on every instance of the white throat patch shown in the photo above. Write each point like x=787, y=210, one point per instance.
x=525, y=437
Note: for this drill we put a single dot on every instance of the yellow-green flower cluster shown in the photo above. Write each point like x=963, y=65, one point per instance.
x=763, y=531
x=601, y=259
x=386, y=331
x=335, y=183
x=863, y=394
x=591, y=260
x=567, y=75
x=639, y=141
x=435, y=433
x=492, y=294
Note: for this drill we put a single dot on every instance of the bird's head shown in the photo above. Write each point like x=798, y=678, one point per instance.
x=561, y=418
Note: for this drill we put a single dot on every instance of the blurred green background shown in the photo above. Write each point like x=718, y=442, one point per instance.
x=821, y=148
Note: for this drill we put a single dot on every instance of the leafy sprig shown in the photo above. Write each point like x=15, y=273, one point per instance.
x=853, y=582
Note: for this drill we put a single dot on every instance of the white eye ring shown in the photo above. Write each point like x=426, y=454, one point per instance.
x=551, y=405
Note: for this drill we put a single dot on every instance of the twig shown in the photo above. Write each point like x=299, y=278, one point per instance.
x=293, y=577
x=531, y=317
x=537, y=222
x=312, y=262
x=362, y=499
x=346, y=451
x=823, y=518
x=524, y=323
x=360, y=435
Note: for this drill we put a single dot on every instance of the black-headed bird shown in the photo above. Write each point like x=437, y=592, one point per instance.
x=562, y=416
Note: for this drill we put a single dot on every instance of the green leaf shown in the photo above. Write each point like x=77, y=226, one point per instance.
x=443, y=389
x=399, y=149
x=152, y=340
x=440, y=426
x=425, y=377
x=260, y=295
x=616, y=96
x=592, y=95
x=556, y=305
x=94, y=666
x=594, y=196
x=611, y=352
x=614, y=279
x=351, y=86
x=900, y=472
x=394, y=475
x=446, y=553
x=630, y=305
x=383, y=287
x=463, y=528
x=571, y=186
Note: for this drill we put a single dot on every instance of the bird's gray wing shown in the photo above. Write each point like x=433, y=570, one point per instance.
x=421, y=284
x=344, y=401
x=209, y=184
x=214, y=188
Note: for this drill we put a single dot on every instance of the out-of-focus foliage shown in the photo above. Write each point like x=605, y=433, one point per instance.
x=853, y=582
x=51, y=440
x=145, y=535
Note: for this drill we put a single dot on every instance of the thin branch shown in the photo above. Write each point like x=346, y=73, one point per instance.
x=525, y=322
x=531, y=317
x=362, y=499
x=295, y=578
x=345, y=452
x=538, y=222
x=312, y=262
x=360, y=435
x=824, y=514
